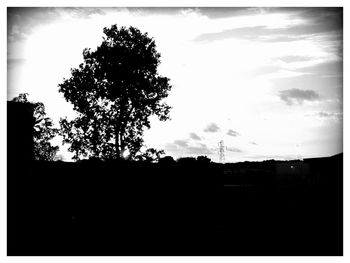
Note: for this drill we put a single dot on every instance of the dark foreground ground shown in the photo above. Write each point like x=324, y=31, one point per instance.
x=194, y=208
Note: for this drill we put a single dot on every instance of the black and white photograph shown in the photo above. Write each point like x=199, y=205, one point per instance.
x=174, y=131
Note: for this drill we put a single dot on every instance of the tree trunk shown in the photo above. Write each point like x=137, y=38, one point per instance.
x=95, y=141
x=122, y=145
x=117, y=145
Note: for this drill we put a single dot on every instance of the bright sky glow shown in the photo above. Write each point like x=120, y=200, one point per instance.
x=267, y=81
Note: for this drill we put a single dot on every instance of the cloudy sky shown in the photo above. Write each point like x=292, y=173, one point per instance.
x=266, y=81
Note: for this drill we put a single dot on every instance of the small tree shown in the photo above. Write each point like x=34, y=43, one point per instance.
x=186, y=160
x=43, y=131
x=166, y=160
x=115, y=91
x=203, y=159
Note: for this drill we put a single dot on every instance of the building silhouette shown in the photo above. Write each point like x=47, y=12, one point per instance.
x=20, y=127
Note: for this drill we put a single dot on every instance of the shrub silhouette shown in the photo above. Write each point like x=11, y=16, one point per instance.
x=186, y=160
x=166, y=160
x=203, y=159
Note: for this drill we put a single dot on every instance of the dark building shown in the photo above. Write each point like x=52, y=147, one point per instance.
x=292, y=171
x=20, y=122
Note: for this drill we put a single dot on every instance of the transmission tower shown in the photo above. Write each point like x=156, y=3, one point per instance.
x=221, y=151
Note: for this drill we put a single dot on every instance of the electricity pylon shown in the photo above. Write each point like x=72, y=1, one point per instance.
x=221, y=151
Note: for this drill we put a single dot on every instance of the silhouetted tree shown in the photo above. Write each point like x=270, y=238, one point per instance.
x=186, y=160
x=150, y=155
x=166, y=160
x=43, y=131
x=115, y=91
x=203, y=159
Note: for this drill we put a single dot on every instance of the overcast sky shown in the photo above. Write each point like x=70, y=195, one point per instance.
x=266, y=81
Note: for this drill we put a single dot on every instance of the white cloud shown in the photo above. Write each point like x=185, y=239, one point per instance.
x=212, y=128
x=233, y=133
x=298, y=96
x=194, y=136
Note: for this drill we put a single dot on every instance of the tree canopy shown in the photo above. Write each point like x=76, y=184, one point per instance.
x=115, y=91
x=43, y=131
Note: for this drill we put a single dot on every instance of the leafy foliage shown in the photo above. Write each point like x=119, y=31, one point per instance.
x=150, y=155
x=167, y=160
x=43, y=131
x=203, y=159
x=115, y=91
x=186, y=160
